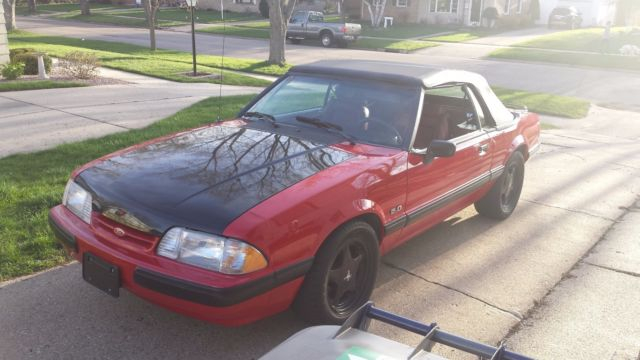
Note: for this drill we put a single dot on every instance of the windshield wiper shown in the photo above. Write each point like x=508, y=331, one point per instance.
x=331, y=127
x=262, y=116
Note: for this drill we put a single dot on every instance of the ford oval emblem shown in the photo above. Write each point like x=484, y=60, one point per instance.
x=119, y=232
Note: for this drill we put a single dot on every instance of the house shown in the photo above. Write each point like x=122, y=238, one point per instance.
x=454, y=12
x=4, y=43
x=594, y=12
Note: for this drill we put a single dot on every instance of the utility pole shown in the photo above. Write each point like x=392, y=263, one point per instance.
x=192, y=5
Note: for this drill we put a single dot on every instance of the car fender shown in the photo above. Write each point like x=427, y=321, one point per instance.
x=519, y=143
x=359, y=209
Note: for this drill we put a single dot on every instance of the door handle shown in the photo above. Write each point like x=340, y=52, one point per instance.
x=482, y=149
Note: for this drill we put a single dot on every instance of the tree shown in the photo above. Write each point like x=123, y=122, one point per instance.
x=10, y=14
x=279, y=14
x=151, y=11
x=84, y=8
x=376, y=10
x=32, y=7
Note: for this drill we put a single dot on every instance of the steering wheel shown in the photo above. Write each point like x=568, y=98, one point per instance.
x=385, y=132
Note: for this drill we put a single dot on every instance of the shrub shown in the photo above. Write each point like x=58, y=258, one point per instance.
x=12, y=71
x=18, y=51
x=80, y=65
x=29, y=58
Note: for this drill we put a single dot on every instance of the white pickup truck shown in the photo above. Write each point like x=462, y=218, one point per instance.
x=311, y=25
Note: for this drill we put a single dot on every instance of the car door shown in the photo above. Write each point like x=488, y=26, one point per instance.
x=314, y=23
x=439, y=187
x=296, y=27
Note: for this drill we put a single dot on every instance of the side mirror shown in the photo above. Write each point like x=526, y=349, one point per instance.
x=437, y=148
x=441, y=148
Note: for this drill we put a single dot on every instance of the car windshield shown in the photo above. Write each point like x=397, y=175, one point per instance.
x=359, y=110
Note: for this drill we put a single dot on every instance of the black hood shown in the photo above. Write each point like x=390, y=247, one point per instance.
x=205, y=178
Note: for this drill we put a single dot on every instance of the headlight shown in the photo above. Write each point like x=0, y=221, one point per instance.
x=211, y=252
x=78, y=200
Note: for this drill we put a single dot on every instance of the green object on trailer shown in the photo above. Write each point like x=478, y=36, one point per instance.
x=352, y=341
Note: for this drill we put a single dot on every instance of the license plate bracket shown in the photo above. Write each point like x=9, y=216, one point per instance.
x=101, y=274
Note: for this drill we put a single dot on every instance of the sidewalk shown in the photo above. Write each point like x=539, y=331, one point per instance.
x=41, y=119
x=592, y=313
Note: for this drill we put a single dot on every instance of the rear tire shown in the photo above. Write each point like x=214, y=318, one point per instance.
x=503, y=197
x=342, y=276
x=326, y=38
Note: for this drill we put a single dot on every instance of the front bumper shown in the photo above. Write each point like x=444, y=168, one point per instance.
x=218, y=298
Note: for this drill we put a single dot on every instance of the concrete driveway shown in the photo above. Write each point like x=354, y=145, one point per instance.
x=475, y=277
x=617, y=88
x=40, y=119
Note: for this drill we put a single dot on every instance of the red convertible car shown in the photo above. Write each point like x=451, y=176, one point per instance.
x=294, y=202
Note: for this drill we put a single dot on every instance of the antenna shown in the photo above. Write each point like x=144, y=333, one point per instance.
x=224, y=35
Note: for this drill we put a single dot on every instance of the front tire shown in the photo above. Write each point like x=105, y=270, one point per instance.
x=503, y=197
x=342, y=276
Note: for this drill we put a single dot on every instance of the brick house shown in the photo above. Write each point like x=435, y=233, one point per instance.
x=445, y=12
x=4, y=43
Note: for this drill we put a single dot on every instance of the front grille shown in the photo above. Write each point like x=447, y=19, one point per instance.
x=106, y=229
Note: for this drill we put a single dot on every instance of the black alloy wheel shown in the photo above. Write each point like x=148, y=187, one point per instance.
x=342, y=276
x=503, y=197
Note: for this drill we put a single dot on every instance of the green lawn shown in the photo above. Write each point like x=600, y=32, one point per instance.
x=402, y=31
x=400, y=45
x=593, y=60
x=23, y=9
x=584, y=40
x=576, y=40
x=30, y=184
x=543, y=103
x=131, y=16
x=202, y=16
x=20, y=85
x=463, y=35
x=164, y=64
x=98, y=18
x=258, y=30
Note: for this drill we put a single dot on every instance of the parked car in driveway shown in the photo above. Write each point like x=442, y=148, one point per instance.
x=295, y=201
x=311, y=25
x=568, y=16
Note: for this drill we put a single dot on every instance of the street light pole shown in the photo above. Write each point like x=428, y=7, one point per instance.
x=193, y=38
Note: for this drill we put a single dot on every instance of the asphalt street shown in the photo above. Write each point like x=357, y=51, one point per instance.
x=613, y=88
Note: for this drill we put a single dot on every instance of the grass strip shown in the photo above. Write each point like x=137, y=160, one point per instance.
x=543, y=103
x=165, y=64
x=30, y=184
x=400, y=45
x=592, y=60
x=20, y=85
